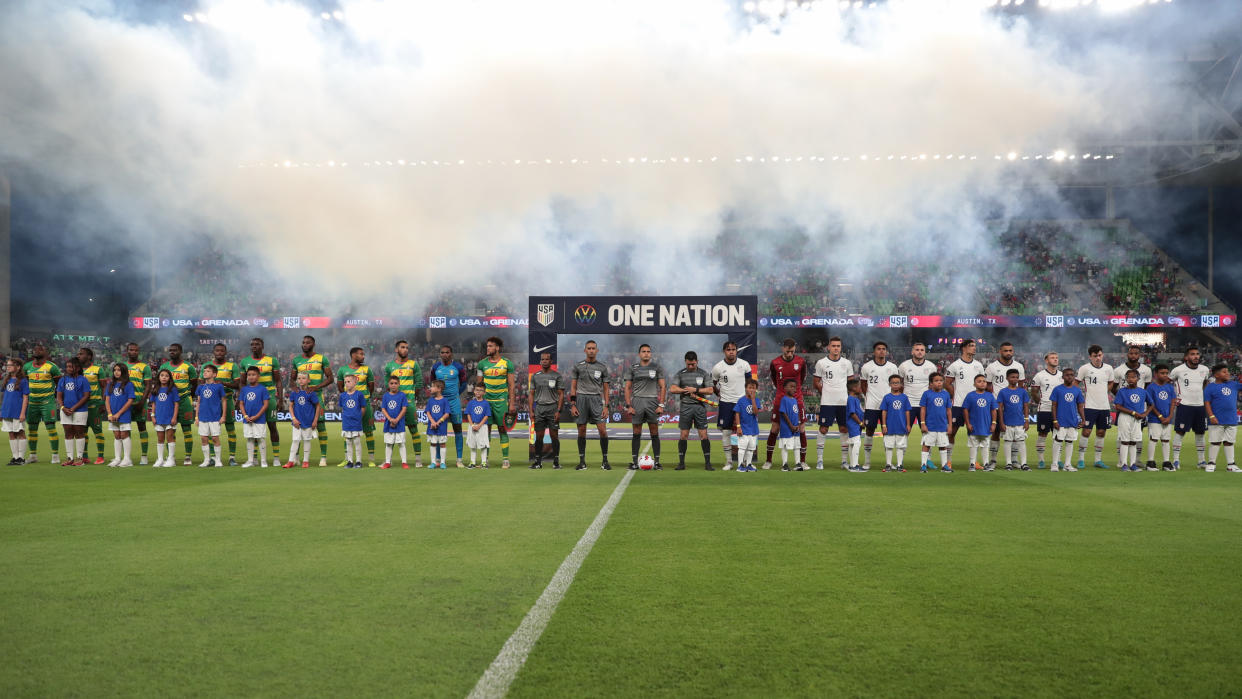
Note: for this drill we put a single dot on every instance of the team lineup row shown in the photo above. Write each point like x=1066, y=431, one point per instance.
x=38, y=392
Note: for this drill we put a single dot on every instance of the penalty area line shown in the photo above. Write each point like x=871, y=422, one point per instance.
x=500, y=674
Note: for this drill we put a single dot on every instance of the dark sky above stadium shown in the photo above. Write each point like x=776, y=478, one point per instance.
x=581, y=126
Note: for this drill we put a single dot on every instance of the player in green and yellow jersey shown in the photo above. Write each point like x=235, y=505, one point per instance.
x=497, y=376
x=229, y=375
x=42, y=376
x=409, y=376
x=185, y=378
x=320, y=375
x=269, y=378
x=366, y=384
x=140, y=375
x=94, y=404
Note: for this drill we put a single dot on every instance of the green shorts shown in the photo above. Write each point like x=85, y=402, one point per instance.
x=185, y=412
x=94, y=412
x=139, y=412
x=499, y=408
x=41, y=412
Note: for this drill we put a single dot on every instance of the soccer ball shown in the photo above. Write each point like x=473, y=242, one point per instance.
x=645, y=462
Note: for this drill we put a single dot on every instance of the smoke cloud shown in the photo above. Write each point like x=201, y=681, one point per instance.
x=423, y=146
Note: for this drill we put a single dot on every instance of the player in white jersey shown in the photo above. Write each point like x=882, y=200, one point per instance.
x=997, y=374
x=961, y=380
x=1096, y=379
x=1134, y=357
x=729, y=379
x=831, y=374
x=875, y=375
x=1042, y=384
x=1189, y=377
x=916, y=373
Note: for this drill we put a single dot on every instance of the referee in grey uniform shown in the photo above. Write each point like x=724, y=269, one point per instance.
x=588, y=398
x=644, y=399
x=690, y=383
x=547, y=396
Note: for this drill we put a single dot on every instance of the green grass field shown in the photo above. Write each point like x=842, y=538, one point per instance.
x=329, y=582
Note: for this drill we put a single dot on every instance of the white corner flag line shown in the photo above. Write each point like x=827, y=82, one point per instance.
x=500, y=674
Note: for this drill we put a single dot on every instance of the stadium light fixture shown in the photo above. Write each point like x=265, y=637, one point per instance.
x=1059, y=156
x=188, y=18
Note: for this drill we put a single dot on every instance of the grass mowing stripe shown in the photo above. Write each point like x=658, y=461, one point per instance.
x=499, y=675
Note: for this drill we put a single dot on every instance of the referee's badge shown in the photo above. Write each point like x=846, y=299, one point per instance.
x=698, y=380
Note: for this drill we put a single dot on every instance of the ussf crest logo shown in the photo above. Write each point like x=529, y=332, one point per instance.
x=545, y=313
x=585, y=314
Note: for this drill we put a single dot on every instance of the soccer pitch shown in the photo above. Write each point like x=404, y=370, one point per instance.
x=331, y=582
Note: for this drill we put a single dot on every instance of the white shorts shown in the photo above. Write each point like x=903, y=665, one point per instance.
x=1129, y=429
x=895, y=441
x=253, y=430
x=120, y=426
x=747, y=442
x=350, y=435
x=1066, y=434
x=165, y=428
x=1222, y=433
x=209, y=429
x=12, y=425
x=1015, y=434
x=789, y=443
x=73, y=418
x=304, y=434
x=437, y=439
x=935, y=439
x=394, y=437
x=1158, y=432
x=978, y=440
x=478, y=439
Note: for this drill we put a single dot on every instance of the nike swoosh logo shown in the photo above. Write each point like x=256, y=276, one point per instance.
x=739, y=349
x=540, y=349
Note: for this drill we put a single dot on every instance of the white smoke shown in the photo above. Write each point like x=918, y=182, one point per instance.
x=533, y=112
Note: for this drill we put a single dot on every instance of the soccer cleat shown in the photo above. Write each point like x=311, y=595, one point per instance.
x=990, y=467
x=1024, y=467
x=1232, y=468
x=504, y=464
x=680, y=467
x=187, y=462
x=323, y=461
x=1125, y=468
x=55, y=459
x=1177, y=465
x=218, y=463
x=111, y=464
x=1100, y=464
x=233, y=461
x=99, y=460
x=262, y=464
x=1081, y=464
x=1009, y=467
x=305, y=464
x=344, y=464
x=606, y=466
x=288, y=465
x=820, y=467
x=785, y=467
x=385, y=465
x=632, y=466
x=248, y=464
x=418, y=463
x=857, y=469
x=460, y=464
x=977, y=466
x=556, y=466
x=1042, y=464
x=291, y=464
x=767, y=465
x=1210, y=468
x=728, y=467
x=1151, y=465
x=1071, y=469
x=946, y=468
x=443, y=465
x=708, y=467
x=207, y=464
x=125, y=463
x=158, y=463
x=582, y=466
x=802, y=467
x=371, y=462
x=405, y=466
x=1202, y=464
